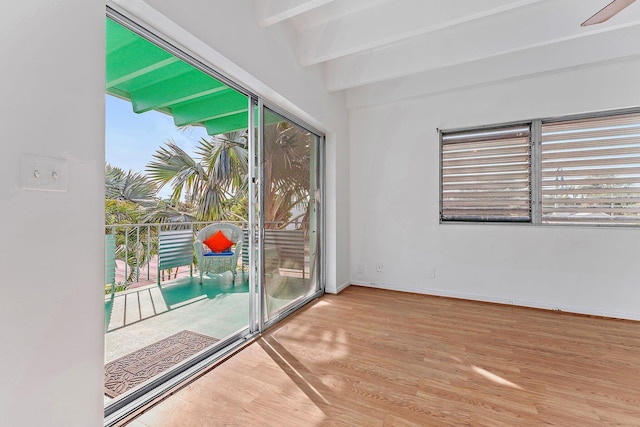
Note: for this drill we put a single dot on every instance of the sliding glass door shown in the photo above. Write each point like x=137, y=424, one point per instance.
x=175, y=300
x=177, y=142
x=290, y=214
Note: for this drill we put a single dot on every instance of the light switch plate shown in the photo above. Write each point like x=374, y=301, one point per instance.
x=43, y=173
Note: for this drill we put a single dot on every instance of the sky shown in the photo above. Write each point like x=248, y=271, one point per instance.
x=131, y=139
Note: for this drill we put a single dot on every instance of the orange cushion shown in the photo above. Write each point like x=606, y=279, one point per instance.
x=218, y=242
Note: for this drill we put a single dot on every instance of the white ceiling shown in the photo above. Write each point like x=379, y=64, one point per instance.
x=443, y=45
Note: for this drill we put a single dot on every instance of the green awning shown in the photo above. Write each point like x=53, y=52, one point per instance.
x=153, y=79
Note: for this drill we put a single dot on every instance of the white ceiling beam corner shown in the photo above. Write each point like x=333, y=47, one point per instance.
x=385, y=23
x=609, y=47
x=485, y=38
x=270, y=12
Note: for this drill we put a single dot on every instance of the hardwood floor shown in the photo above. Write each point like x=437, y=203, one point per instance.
x=371, y=357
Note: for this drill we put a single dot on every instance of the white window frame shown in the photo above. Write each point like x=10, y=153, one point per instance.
x=485, y=174
x=591, y=210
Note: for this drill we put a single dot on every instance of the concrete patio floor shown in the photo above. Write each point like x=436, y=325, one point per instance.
x=147, y=314
x=219, y=308
x=141, y=316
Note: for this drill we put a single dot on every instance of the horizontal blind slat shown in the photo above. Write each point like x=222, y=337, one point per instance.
x=592, y=139
x=614, y=220
x=489, y=177
x=487, y=215
x=501, y=151
x=503, y=133
x=485, y=145
x=591, y=181
x=604, y=172
x=614, y=192
x=594, y=162
x=504, y=204
x=485, y=169
x=600, y=152
x=595, y=211
x=480, y=160
x=516, y=193
x=483, y=185
x=591, y=170
x=594, y=201
x=486, y=179
x=590, y=123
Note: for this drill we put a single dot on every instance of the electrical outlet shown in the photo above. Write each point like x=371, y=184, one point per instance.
x=360, y=268
x=432, y=273
x=379, y=267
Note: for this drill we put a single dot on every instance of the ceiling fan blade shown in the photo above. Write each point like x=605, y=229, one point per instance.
x=607, y=12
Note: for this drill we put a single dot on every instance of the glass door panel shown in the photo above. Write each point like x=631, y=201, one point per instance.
x=177, y=140
x=171, y=300
x=290, y=213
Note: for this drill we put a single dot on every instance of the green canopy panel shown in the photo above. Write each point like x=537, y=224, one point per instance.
x=153, y=79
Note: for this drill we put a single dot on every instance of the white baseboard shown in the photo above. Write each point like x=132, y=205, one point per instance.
x=485, y=298
x=339, y=289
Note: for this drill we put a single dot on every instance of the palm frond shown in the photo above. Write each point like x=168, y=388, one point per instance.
x=130, y=186
x=174, y=166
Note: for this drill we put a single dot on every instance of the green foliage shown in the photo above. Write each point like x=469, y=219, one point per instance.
x=119, y=287
x=122, y=212
x=129, y=198
x=208, y=188
x=240, y=209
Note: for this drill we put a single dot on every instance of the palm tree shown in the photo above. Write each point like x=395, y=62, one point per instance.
x=207, y=188
x=286, y=174
x=214, y=186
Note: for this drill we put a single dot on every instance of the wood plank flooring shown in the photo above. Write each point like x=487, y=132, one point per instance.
x=371, y=357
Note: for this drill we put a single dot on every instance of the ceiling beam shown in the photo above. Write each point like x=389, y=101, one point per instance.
x=570, y=54
x=270, y=12
x=386, y=23
x=518, y=30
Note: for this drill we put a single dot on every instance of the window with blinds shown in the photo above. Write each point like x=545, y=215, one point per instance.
x=486, y=175
x=590, y=171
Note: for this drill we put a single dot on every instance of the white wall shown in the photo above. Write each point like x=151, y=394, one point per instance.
x=394, y=191
x=51, y=250
x=263, y=60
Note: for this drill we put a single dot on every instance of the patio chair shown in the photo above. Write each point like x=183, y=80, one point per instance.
x=217, y=263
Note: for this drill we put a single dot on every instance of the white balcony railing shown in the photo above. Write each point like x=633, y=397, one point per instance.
x=141, y=254
x=138, y=254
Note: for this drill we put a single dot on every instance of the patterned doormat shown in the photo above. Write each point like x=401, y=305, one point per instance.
x=135, y=368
